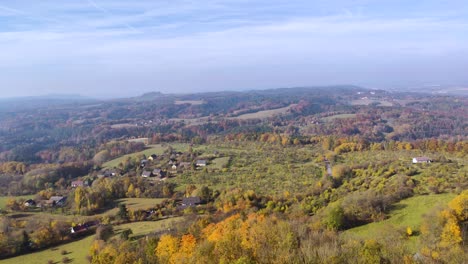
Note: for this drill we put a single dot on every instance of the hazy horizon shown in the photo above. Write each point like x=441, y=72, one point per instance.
x=116, y=48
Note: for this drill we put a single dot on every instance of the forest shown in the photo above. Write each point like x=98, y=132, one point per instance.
x=336, y=174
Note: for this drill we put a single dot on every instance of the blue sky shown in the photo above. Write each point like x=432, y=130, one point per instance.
x=108, y=48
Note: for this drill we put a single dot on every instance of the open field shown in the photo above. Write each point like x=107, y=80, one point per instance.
x=371, y=101
x=139, y=140
x=219, y=163
x=78, y=250
x=45, y=217
x=194, y=121
x=407, y=213
x=147, y=227
x=191, y=102
x=333, y=117
x=4, y=199
x=135, y=204
x=153, y=149
x=265, y=113
x=126, y=125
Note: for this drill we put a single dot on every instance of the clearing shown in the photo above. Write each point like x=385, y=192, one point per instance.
x=340, y=116
x=265, y=113
x=220, y=163
x=153, y=149
x=78, y=250
x=4, y=199
x=135, y=204
x=371, y=101
x=407, y=213
x=191, y=102
x=147, y=227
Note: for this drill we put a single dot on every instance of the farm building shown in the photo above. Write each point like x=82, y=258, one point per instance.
x=422, y=160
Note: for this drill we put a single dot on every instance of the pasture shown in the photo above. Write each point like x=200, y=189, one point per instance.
x=265, y=113
x=4, y=199
x=190, y=102
x=341, y=116
x=78, y=250
x=157, y=149
x=406, y=213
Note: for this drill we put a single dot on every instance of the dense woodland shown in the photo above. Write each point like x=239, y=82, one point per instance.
x=290, y=175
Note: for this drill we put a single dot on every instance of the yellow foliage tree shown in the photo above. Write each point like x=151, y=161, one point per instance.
x=451, y=233
x=460, y=206
x=167, y=247
x=187, y=247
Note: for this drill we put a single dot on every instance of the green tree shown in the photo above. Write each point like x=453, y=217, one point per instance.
x=123, y=212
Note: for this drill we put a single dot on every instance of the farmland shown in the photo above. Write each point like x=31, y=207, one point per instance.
x=78, y=250
x=265, y=113
x=152, y=149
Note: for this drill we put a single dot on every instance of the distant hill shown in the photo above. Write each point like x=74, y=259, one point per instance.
x=30, y=102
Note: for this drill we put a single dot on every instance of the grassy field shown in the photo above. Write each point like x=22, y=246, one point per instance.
x=191, y=102
x=371, y=101
x=333, y=117
x=220, y=163
x=4, y=199
x=264, y=114
x=194, y=121
x=153, y=149
x=407, y=213
x=78, y=250
x=146, y=227
x=135, y=204
x=45, y=217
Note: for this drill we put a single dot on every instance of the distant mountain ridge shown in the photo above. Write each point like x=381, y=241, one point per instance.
x=29, y=102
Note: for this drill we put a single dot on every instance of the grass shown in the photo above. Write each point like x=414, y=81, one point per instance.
x=147, y=227
x=220, y=163
x=76, y=251
x=371, y=101
x=153, y=149
x=4, y=199
x=45, y=217
x=333, y=117
x=407, y=213
x=135, y=204
x=191, y=102
x=265, y=113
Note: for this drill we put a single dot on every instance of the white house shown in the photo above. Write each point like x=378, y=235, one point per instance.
x=421, y=160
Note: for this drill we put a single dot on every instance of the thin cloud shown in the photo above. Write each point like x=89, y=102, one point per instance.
x=12, y=10
x=100, y=8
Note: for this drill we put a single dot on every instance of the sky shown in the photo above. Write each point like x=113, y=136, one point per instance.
x=119, y=48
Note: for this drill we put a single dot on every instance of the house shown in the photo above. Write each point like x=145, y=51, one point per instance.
x=107, y=173
x=58, y=200
x=174, y=166
x=75, y=184
x=190, y=202
x=422, y=160
x=146, y=174
x=158, y=173
x=201, y=163
x=83, y=227
x=143, y=163
x=152, y=157
x=30, y=203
